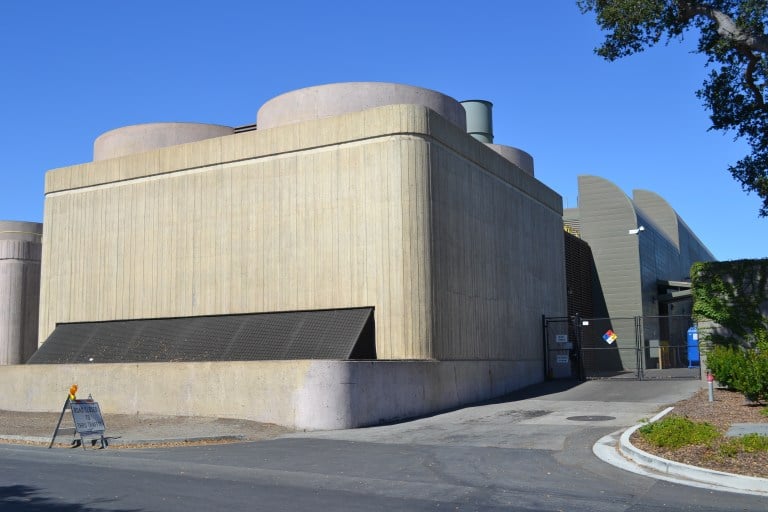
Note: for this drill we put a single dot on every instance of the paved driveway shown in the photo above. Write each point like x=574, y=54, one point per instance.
x=532, y=451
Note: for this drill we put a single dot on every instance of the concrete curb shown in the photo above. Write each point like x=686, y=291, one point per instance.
x=623, y=454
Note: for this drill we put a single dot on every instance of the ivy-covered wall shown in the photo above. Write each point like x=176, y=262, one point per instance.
x=734, y=295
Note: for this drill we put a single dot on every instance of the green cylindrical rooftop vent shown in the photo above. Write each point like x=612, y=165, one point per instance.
x=479, y=119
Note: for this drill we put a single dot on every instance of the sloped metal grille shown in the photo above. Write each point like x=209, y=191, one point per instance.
x=329, y=334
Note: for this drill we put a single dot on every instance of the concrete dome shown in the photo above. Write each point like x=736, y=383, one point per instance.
x=138, y=138
x=20, y=230
x=517, y=156
x=342, y=98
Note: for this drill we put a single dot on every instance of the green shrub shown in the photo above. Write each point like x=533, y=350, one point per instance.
x=751, y=376
x=675, y=431
x=725, y=362
x=750, y=443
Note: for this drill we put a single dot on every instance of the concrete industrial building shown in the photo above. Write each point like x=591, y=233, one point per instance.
x=20, y=253
x=365, y=252
x=641, y=254
x=365, y=204
x=642, y=249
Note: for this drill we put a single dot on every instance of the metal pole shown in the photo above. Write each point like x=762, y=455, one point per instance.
x=711, y=385
x=545, y=343
x=58, y=424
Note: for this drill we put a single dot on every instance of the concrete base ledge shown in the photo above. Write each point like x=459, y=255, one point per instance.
x=717, y=479
x=304, y=395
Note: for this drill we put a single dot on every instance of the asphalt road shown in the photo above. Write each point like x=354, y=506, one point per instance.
x=519, y=454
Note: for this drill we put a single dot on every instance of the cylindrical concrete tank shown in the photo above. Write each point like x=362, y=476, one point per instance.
x=138, y=138
x=343, y=98
x=20, y=253
x=517, y=156
x=479, y=119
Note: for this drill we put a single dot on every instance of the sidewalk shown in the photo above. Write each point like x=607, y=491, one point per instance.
x=132, y=431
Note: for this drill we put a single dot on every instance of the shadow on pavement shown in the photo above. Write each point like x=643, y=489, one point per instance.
x=28, y=499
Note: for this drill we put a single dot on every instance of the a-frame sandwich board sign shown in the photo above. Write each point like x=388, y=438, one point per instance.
x=87, y=422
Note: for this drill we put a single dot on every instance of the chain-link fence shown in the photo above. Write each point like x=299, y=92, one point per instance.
x=650, y=347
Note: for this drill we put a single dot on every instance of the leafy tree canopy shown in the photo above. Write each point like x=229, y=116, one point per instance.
x=732, y=34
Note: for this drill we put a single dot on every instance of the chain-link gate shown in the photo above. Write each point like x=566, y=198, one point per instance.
x=561, y=348
x=649, y=347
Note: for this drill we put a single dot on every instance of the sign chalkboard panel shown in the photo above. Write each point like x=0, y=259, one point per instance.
x=87, y=417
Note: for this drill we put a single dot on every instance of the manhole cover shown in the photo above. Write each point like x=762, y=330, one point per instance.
x=591, y=418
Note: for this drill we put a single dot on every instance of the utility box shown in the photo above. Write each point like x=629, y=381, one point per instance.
x=694, y=359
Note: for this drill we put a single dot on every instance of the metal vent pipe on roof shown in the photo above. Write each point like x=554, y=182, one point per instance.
x=479, y=119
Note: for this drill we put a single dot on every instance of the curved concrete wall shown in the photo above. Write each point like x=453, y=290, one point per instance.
x=517, y=156
x=607, y=215
x=20, y=251
x=335, y=99
x=299, y=394
x=145, y=137
x=660, y=212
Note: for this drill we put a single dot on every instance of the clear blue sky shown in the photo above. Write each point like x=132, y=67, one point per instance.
x=73, y=70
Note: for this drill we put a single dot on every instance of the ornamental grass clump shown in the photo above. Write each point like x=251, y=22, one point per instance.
x=749, y=443
x=675, y=432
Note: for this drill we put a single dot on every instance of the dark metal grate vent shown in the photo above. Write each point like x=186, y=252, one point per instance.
x=329, y=334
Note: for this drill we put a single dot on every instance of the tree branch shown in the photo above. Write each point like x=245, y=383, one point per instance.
x=750, y=79
x=747, y=44
x=726, y=27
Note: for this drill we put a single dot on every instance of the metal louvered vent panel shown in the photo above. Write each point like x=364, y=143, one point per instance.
x=327, y=334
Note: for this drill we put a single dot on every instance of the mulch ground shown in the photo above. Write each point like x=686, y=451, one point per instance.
x=729, y=407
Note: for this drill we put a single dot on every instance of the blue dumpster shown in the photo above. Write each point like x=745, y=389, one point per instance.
x=693, y=348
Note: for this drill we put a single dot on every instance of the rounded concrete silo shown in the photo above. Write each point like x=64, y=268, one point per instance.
x=138, y=138
x=342, y=98
x=20, y=252
x=480, y=126
x=517, y=156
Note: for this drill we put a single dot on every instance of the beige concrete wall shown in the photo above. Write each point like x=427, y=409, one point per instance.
x=498, y=259
x=20, y=253
x=312, y=395
x=498, y=266
x=330, y=222
x=355, y=210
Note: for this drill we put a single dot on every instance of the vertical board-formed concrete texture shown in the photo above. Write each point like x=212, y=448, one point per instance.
x=517, y=156
x=331, y=100
x=385, y=199
x=362, y=195
x=20, y=253
x=250, y=223
x=145, y=137
x=498, y=256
